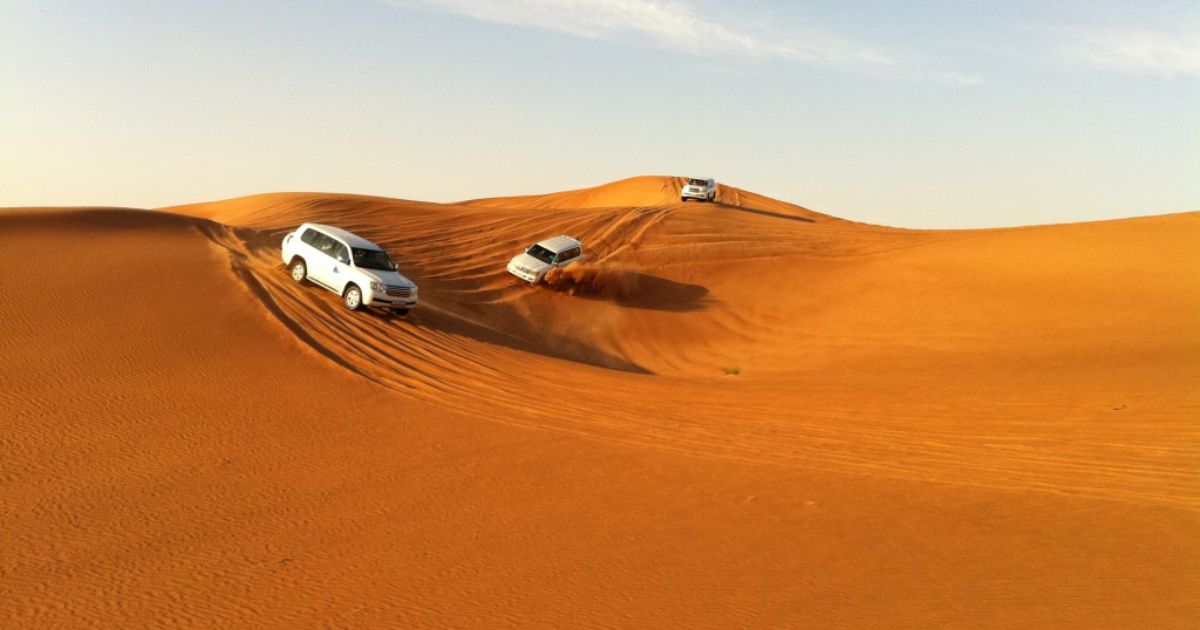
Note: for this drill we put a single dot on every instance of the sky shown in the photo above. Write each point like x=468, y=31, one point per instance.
x=926, y=114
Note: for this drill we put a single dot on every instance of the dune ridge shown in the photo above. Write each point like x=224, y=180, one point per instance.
x=646, y=190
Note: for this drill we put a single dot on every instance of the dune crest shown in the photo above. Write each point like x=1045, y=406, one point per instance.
x=644, y=191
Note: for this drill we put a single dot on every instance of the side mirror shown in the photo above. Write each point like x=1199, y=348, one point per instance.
x=343, y=260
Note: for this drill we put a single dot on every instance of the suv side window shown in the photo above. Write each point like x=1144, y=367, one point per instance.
x=340, y=253
x=570, y=254
x=323, y=243
x=309, y=236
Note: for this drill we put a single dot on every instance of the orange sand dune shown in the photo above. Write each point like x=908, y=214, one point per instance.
x=741, y=414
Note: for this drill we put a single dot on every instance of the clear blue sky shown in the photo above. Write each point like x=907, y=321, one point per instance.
x=931, y=113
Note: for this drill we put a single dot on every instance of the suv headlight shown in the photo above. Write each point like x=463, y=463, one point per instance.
x=379, y=286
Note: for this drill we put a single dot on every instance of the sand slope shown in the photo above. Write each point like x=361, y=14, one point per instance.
x=989, y=428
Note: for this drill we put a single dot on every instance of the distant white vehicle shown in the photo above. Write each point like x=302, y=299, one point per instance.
x=702, y=189
x=351, y=266
x=543, y=256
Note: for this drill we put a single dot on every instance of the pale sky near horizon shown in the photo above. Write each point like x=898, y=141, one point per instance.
x=937, y=113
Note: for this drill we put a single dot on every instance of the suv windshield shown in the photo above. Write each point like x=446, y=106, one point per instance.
x=373, y=259
x=697, y=182
x=541, y=253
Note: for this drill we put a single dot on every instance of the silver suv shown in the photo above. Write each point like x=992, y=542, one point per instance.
x=349, y=265
x=701, y=189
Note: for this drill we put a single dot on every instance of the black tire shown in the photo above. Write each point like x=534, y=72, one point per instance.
x=683, y=200
x=712, y=197
x=400, y=311
x=299, y=270
x=352, y=297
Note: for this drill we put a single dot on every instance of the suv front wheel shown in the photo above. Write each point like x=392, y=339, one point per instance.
x=352, y=297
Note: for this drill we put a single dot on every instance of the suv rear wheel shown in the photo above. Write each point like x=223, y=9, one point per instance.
x=299, y=270
x=352, y=297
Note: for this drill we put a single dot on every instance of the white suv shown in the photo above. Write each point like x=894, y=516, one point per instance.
x=351, y=266
x=702, y=189
x=543, y=256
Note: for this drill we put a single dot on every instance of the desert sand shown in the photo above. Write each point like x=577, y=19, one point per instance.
x=744, y=414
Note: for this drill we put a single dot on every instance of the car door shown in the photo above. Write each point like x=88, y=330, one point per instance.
x=321, y=262
x=339, y=269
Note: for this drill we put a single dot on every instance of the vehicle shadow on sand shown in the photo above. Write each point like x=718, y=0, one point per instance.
x=539, y=342
x=633, y=289
x=765, y=213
